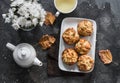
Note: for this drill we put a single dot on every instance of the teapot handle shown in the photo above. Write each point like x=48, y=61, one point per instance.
x=57, y=13
x=10, y=46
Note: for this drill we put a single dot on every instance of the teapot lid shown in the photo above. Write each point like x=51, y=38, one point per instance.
x=24, y=53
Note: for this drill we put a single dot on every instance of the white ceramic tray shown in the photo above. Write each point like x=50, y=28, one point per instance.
x=72, y=22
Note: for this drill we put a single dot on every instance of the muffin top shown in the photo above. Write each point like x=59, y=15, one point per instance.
x=69, y=56
x=85, y=28
x=70, y=36
x=83, y=46
x=85, y=63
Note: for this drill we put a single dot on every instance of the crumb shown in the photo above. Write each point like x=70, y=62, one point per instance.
x=105, y=56
x=47, y=41
x=49, y=19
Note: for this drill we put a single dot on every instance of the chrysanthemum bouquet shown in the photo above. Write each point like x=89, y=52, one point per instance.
x=25, y=14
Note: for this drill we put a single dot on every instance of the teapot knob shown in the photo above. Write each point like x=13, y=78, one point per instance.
x=23, y=54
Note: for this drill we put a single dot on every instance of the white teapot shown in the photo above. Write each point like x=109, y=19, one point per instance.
x=24, y=55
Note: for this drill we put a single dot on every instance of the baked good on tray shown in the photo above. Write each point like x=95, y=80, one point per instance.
x=85, y=63
x=46, y=41
x=85, y=28
x=83, y=46
x=69, y=56
x=70, y=36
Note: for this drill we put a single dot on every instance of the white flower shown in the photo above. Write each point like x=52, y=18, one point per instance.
x=22, y=11
x=7, y=20
x=15, y=17
x=22, y=21
x=11, y=13
x=35, y=21
x=4, y=16
x=28, y=24
x=43, y=18
x=36, y=14
x=13, y=9
x=41, y=23
x=25, y=13
x=15, y=26
x=17, y=3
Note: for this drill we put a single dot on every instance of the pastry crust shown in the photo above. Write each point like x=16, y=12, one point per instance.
x=46, y=41
x=70, y=36
x=105, y=56
x=85, y=28
x=83, y=46
x=69, y=56
x=85, y=63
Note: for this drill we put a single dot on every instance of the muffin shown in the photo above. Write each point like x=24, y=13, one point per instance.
x=70, y=36
x=83, y=46
x=85, y=63
x=46, y=41
x=69, y=56
x=85, y=28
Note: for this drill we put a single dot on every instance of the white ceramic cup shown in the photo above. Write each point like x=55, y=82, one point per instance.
x=59, y=11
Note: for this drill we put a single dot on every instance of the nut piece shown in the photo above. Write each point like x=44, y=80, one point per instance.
x=70, y=36
x=85, y=63
x=83, y=46
x=69, y=56
x=49, y=19
x=105, y=56
x=46, y=41
x=85, y=28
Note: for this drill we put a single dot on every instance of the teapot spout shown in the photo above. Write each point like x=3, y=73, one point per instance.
x=37, y=62
x=10, y=46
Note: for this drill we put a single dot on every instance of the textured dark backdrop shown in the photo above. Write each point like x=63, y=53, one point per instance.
x=107, y=15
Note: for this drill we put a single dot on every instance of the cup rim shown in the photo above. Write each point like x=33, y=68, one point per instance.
x=69, y=11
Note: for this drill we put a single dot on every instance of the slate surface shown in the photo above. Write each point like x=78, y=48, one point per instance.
x=107, y=15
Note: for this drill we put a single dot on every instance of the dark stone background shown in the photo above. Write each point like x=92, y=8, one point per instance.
x=107, y=15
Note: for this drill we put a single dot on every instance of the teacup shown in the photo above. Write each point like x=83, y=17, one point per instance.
x=65, y=6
